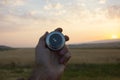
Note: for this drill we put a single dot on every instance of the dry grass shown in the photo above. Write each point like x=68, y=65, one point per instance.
x=27, y=55
x=17, y=56
x=74, y=71
x=95, y=56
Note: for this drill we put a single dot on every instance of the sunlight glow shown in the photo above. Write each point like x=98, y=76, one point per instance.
x=23, y=22
x=114, y=37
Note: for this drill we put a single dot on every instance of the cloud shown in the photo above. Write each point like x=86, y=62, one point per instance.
x=55, y=6
x=19, y=17
x=55, y=14
x=102, y=1
x=114, y=11
x=13, y=22
x=12, y=2
x=10, y=23
x=54, y=9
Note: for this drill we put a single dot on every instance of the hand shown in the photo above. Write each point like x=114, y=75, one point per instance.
x=50, y=64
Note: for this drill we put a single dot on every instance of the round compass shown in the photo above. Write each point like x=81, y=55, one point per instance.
x=55, y=41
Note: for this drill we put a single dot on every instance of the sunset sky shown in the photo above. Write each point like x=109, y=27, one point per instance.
x=22, y=22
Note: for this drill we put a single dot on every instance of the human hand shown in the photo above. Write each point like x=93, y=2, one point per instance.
x=50, y=63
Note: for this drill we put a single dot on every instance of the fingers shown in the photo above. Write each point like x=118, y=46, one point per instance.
x=63, y=51
x=42, y=40
x=59, y=29
x=65, y=58
x=65, y=55
x=66, y=38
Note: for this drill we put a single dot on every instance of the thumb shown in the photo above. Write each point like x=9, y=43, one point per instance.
x=42, y=39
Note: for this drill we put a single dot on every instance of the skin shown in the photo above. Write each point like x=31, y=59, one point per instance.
x=50, y=65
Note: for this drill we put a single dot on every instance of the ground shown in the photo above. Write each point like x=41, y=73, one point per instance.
x=85, y=64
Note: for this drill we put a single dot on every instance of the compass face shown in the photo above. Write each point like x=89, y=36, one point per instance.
x=55, y=40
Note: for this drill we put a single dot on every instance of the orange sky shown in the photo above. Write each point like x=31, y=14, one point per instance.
x=22, y=22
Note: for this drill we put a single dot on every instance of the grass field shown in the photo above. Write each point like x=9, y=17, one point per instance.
x=85, y=64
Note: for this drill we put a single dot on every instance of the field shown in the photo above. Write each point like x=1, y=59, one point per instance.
x=85, y=64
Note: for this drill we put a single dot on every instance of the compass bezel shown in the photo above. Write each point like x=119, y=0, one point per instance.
x=48, y=43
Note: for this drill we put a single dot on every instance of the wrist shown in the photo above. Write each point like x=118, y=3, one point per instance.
x=44, y=73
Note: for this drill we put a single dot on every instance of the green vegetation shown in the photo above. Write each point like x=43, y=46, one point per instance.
x=13, y=72
x=92, y=72
x=99, y=64
x=73, y=72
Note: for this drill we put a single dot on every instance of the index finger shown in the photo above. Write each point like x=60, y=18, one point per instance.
x=59, y=29
x=42, y=40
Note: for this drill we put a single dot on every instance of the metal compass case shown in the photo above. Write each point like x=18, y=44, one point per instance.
x=55, y=41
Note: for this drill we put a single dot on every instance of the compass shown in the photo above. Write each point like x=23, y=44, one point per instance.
x=55, y=41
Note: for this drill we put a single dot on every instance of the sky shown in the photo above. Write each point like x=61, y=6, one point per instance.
x=23, y=22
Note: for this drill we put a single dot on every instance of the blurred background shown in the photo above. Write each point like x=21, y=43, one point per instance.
x=22, y=22
x=92, y=25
